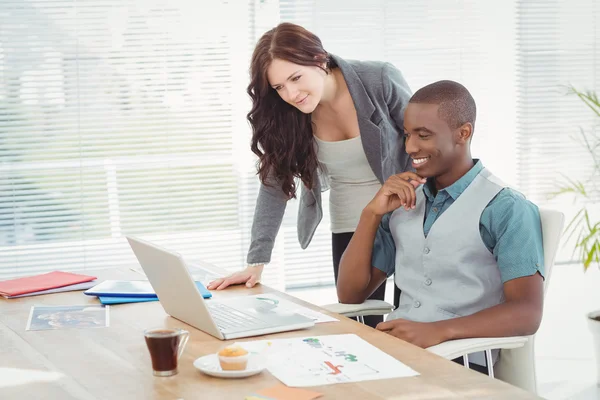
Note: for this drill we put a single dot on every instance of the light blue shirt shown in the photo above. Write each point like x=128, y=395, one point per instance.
x=510, y=228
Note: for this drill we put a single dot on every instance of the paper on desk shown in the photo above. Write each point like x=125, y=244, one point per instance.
x=324, y=360
x=42, y=317
x=200, y=273
x=279, y=304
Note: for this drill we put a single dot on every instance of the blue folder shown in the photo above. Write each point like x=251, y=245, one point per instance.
x=123, y=300
x=117, y=292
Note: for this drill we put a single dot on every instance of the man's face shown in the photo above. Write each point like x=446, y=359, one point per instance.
x=430, y=142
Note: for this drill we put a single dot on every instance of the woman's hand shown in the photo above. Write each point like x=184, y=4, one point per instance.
x=250, y=276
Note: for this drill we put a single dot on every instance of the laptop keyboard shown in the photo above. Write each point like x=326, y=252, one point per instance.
x=229, y=318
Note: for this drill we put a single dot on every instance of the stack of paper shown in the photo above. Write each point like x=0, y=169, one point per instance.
x=51, y=282
x=119, y=292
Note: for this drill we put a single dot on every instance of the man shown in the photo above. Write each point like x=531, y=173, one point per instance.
x=466, y=251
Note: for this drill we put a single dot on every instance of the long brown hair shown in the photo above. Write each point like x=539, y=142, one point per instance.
x=282, y=135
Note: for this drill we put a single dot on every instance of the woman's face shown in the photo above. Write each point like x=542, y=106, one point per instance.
x=298, y=85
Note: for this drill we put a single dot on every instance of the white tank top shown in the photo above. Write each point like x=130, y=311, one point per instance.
x=352, y=181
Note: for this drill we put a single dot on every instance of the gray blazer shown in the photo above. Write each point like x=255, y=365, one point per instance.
x=380, y=95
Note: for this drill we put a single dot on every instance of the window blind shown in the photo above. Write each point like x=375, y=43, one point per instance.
x=558, y=45
x=128, y=117
x=120, y=117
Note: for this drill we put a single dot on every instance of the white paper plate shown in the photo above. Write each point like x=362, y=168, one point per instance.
x=210, y=365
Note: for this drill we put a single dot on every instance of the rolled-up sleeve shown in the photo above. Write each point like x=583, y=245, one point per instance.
x=384, y=248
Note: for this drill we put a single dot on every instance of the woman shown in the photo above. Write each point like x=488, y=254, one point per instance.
x=327, y=121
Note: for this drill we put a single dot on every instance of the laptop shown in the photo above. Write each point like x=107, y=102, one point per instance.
x=225, y=319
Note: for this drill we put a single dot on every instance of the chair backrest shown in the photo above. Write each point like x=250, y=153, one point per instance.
x=552, y=228
x=517, y=366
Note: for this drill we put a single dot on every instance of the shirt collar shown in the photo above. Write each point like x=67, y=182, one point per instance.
x=457, y=187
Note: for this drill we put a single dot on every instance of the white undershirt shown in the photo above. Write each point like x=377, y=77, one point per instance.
x=353, y=183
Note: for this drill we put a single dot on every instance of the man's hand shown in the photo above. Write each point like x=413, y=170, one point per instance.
x=250, y=276
x=398, y=191
x=422, y=334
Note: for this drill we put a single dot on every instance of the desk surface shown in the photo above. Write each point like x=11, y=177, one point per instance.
x=113, y=362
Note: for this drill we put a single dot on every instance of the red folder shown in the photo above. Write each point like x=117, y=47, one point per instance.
x=51, y=280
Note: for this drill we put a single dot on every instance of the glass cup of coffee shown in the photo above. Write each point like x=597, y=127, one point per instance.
x=166, y=346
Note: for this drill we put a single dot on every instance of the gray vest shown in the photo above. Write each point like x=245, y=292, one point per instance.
x=450, y=273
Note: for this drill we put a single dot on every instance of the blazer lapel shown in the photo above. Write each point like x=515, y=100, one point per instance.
x=370, y=134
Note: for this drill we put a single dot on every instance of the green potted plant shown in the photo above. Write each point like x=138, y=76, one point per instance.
x=585, y=225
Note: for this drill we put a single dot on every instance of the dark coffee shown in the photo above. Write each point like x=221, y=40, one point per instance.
x=163, y=346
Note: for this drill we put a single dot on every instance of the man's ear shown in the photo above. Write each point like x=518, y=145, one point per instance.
x=465, y=132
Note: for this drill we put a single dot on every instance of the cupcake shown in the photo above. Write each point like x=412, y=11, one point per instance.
x=233, y=358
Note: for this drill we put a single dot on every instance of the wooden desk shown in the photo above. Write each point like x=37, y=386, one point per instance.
x=113, y=363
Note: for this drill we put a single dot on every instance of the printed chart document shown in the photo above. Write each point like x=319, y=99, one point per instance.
x=324, y=360
x=280, y=305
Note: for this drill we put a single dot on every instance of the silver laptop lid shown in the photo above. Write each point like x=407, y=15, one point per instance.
x=174, y=286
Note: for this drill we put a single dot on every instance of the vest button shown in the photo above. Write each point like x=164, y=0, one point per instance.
x=426, y=251
x=417, y=304
x=428, y=281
